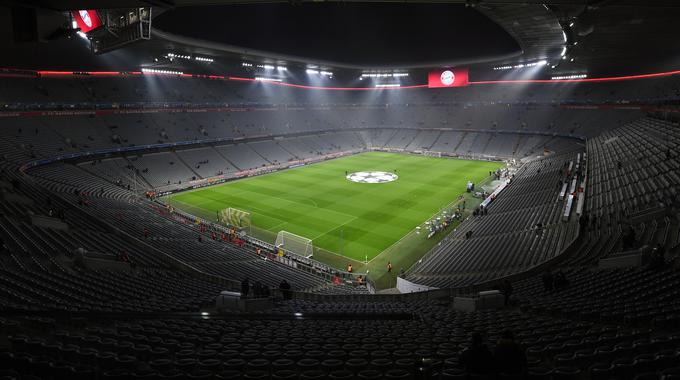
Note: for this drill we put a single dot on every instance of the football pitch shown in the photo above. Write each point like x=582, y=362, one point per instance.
x=358, y=220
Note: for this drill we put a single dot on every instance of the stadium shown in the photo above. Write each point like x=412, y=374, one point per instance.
x=246, y=189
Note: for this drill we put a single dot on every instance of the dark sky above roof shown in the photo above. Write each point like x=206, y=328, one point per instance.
x=350, y=33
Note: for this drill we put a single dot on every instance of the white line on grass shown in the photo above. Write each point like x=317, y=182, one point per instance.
x=304, y=204
x=335, y=228
x=452, y=204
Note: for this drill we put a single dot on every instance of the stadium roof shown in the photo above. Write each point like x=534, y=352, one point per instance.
x=612, y=37
x=350, y=35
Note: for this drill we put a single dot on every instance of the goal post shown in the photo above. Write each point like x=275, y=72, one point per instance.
x=234, y=217
x=294, y=243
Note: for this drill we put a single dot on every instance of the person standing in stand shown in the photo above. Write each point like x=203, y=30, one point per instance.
x=245, y=287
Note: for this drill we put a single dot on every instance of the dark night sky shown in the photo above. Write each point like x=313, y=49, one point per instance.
x=368, y=33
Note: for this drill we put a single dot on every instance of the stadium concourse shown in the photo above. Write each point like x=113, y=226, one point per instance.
x=561, y=263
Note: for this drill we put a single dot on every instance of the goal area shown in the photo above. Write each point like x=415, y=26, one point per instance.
x=234, y=217
x=294, y=243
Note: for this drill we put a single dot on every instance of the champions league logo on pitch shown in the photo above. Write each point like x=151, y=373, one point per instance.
x=447, y=77
x=372, y=177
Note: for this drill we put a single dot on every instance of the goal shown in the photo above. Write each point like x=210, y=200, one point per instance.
x=294, y=243
x=234, y=217
x=432, y=154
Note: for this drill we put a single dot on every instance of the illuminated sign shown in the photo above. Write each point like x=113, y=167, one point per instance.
x=87, y=20
x=448, y=78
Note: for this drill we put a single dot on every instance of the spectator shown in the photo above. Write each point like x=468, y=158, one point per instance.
x=657, y=259
x=509, y=356
x=284, y=287
x=560, y=281
x=349, y=268
x=245, y=287
x=477, y=358
x=257, y=289
x=389, y=267
x=507, y=291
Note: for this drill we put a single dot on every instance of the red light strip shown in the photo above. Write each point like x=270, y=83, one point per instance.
x=308, y=87
x=48, y=72
x=582, y=80
x=87, y=73
x=103, y=73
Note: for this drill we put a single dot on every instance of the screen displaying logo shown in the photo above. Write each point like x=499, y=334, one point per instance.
x=457, y=77
x=448, y=77
x=87, y=20
x=85, y=15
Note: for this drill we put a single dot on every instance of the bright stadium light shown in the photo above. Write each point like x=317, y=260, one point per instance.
x=573, y=76
x=182, y=56
x=204, y=59
x=246, y=64
x=319, y=72
x=542, y=62
x=161, y=72
x=265, y=79
x=382, y=75
x=387, y=85
x=281, y=68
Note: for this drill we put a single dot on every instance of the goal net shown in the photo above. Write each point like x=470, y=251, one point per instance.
x=294, y=243
x=432, y=154
x=234, y=217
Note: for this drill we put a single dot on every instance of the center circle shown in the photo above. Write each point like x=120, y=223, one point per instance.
x=372, y=177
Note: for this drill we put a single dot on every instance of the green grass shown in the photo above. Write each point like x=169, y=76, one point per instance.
x=352, y=219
